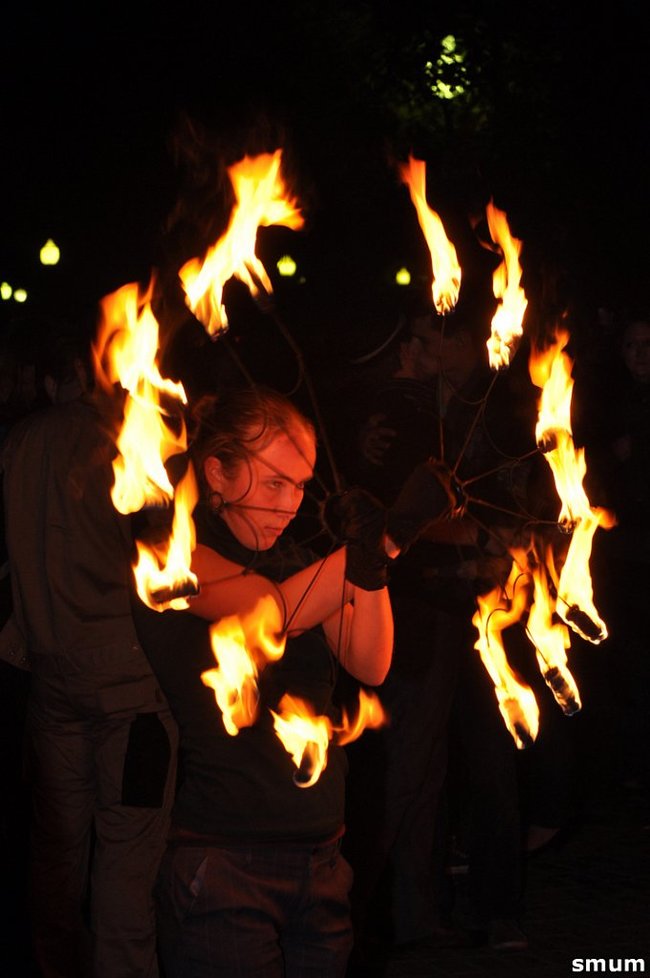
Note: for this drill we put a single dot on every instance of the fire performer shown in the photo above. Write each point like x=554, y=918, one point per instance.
x=253, y=881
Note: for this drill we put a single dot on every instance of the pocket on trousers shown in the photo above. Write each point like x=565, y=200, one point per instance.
x=146, y=762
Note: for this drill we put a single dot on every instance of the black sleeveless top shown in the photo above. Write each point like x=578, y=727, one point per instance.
x=241, y=788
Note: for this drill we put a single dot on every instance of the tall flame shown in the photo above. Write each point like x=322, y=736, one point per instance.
x=242, y=646
x=162, y=571
x=551, y=370
x=152, y=429
x=551, y=640
x=261, y=199
x=507, y=322
x=444, y=263
x=575, y=591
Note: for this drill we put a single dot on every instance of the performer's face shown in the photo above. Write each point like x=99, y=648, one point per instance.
x=262, y=495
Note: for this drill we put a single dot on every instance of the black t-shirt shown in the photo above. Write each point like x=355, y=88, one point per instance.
x=241, y=788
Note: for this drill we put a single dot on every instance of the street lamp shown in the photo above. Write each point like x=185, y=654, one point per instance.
x=286, y=266
x=50, y=253
x=403, y=276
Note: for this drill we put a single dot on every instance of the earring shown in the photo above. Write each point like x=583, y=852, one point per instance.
x=216, y=501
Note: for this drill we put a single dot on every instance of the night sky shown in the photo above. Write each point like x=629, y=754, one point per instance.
x=96, y=107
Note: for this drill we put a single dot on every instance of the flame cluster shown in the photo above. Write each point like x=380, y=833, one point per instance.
x=508, y=320
x=527, y=597
x=550, y=605
x=551, y=370
x=243, y=645
x=127, y=357
x=152, y=430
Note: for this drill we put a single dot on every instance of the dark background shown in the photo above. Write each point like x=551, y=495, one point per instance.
x=116, y=118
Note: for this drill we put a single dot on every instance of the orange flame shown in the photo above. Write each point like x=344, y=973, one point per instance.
x=370, y=715
x=153, y=428
x=516, y=699
x=444, y=263
x=551, y=640
x=507, y=322
x=261, y=199
x=305, y=736
x=242, y=646
x=575, y=592
x=551, y=370
x=162, y=572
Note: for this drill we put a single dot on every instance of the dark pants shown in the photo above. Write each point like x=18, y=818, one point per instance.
x=260, y=911
x=396, y=783
x=484, y=790
x=102, y=768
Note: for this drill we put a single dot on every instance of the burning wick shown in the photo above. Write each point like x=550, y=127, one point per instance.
x=562, y=691
x=520, y=728
x=184, y=589
x=584, y=623
x=549, y=440
x=304, y=773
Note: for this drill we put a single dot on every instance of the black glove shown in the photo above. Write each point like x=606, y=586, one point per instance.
x=423, y=498
x=362, y=524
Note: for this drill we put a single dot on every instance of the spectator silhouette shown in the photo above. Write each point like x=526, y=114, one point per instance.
x=440, y=400
x=100, y=756
x=614, y=426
